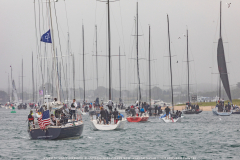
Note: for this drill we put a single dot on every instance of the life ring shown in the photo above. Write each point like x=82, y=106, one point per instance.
x=193, y=110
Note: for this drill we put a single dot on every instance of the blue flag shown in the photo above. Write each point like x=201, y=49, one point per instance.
x=46, y=37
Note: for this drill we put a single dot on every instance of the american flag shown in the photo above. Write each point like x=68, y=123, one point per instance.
x=44, y=119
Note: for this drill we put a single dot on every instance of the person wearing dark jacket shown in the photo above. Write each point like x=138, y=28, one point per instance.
x=103, y=114
x=115, y=114
x=197, y=107
x=159, y=110
x=150, y=111
x=110, y=116
x=156, y=108
x=167, y=112
x=63, y=119
x=106, y=115
x=30, y=120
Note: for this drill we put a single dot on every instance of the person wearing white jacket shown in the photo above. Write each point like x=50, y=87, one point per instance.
x=137, y=111
x=73, y=109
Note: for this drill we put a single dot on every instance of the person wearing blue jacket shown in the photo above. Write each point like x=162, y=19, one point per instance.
x=119, y=117
x=142, y=111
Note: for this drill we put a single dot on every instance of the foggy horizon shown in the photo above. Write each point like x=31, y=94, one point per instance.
x=19, y=41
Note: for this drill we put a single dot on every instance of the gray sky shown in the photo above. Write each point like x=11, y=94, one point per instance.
x=18, y=39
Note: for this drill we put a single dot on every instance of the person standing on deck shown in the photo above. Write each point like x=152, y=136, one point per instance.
x=115, y=114
x=110, y=105
x=197, y=107
x=30, y=120
x=102, y=113
x=142, y=111
x=137, y=111
x=106, y=115
x=156, y=108
x=167, y=112
x=73, y=109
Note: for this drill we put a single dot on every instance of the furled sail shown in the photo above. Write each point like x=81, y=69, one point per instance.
x=222, y=68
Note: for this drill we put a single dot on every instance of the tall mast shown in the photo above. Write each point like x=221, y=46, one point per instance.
x=67, y=83
x=60, y=79
x=188, y=69
x=170, y=58
x=22, y=80
x=109, y=53
x=220, y=31
x=73, y=76
x=83, y=66
x=96, y=57
x=54, y=54
x=137, y=61
x=149, y=63
x=11, y=86
x=120, y=100
x=220, y=36
x=52, y=77
x=66, y=68
x=32, y=77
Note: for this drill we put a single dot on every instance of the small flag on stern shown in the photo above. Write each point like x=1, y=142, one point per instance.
x=44, y=120
x=46, y=37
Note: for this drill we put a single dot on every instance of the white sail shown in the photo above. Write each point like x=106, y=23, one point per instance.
x=14, y=91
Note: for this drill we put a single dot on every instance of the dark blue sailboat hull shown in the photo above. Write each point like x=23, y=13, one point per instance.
x=57, y=133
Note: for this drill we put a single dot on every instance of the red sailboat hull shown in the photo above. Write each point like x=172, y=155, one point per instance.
x=144, y=119
x=134, y=119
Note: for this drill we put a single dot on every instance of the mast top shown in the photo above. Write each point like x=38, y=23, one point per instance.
x=220, y=32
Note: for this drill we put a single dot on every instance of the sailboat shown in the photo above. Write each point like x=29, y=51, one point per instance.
x=16, y=102
x=222, y=68
x=65, y=127
x=94, y=120
x=171, y=118
x=13, y=103
x=144, y=117
x=189, y=111
x=22, y=105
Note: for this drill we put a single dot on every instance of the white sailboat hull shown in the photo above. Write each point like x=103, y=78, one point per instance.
x=120, y=125
x=171, y=120
x=215, y=112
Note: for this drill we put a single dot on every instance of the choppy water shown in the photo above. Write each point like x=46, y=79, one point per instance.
x=201, y=136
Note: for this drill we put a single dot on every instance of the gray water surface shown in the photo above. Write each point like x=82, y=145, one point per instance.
x=202, y=136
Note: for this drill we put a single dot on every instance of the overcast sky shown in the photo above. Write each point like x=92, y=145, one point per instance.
x=201, y=17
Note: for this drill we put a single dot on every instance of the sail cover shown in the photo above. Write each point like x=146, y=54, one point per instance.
x=222, y=68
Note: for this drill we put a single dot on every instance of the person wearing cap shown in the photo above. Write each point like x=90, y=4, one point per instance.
x=167, y=112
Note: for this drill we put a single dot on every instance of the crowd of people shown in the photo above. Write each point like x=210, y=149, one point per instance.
x=222, y=108
x=173, y=115
x=194, y=107
x=109, y=117
x=59, y=117
x=144, y=108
